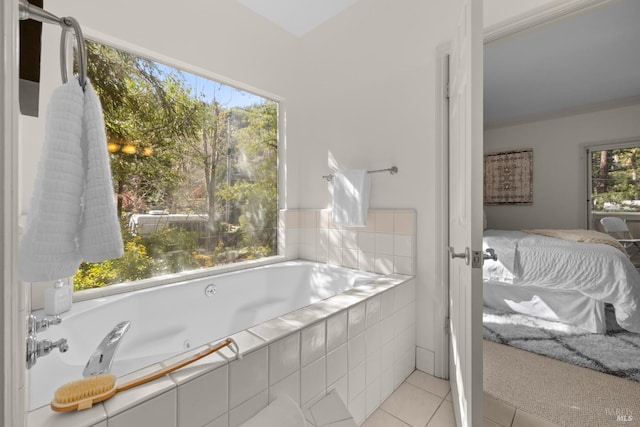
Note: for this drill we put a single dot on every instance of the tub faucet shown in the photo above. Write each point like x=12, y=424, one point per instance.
x=102, y=358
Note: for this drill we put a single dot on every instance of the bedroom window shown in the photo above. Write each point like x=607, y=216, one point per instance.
x=194, y=168
x=614, y=183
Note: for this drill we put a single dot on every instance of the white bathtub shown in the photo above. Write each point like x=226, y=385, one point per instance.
x=170, y=319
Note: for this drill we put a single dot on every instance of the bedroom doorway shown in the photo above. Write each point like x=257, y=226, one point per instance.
x=561, y=188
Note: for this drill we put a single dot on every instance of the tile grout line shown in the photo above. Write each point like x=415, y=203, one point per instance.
x=513, y=418
x=391, y=415
x=434, y=413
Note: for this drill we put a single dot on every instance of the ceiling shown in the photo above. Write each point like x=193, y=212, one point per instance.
x=587, y=58
x=298, y=17
x=591, y=57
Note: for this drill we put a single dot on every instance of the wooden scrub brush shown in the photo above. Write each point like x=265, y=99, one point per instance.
x=84, y=393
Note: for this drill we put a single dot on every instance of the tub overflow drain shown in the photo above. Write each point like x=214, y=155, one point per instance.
x=210, y=290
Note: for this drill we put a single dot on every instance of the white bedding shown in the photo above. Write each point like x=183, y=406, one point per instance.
x=595, y=270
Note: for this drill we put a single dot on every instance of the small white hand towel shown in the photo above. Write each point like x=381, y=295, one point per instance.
x=350, y=198
x=99, y=237
x=282, y=412
x=49, y=248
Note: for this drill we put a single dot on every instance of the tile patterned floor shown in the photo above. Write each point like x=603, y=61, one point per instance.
x=425, y=401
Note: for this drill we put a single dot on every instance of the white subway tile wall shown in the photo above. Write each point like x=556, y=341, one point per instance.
x=386, y=245
x=284, y=358
x=313, y=342
x=362, y=351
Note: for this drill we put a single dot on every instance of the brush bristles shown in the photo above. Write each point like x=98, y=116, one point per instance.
x=85, y=388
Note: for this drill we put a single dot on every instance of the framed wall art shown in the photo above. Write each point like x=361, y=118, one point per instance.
x=508, y=178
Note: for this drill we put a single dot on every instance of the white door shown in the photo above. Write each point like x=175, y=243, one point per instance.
x=465, y=215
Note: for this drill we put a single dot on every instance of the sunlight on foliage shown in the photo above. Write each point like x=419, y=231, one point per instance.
x=187, y=153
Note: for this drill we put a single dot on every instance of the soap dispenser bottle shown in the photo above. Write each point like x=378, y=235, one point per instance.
x=57, y=299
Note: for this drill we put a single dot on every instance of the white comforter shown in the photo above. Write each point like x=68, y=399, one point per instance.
x=596, y=270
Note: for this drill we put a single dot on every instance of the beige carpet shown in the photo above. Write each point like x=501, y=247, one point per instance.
x=565, y=394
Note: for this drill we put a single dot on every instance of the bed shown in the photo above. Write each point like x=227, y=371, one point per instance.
x=563, y=280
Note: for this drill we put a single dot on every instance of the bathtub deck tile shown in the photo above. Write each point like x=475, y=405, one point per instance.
x=46, y=417
x=195, y=369
x=399, y=278
x=336, y=330
x=363, y=291
x=204, y=399
x=357, y=295
x=273, y=330
x=341, y=301
x=373, y=287
x=321, y=309
x=160, y=411
x=247, y=343
x=284, y=357
x=302, y=317
x=248, y=377
x=313, y=342
x=356, y=320
x=128, y=399
x=327, y=307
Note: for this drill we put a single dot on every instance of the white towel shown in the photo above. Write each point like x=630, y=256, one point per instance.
x=350, y=198
x=99, y=237
x=59, y=233
x=282, y=412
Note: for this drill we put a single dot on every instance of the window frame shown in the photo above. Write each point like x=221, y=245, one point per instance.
x=600, y=146
x=172, y=278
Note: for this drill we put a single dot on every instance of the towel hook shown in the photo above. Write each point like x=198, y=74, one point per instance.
x=70, y=24
x=29, y=11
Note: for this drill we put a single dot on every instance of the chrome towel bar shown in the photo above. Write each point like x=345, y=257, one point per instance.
x=392, y=170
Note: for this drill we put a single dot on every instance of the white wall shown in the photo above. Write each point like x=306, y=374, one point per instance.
x=559, y=165
x=368, y=100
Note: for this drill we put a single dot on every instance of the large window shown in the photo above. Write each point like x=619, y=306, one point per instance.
x=194, y=167
x=614, y=182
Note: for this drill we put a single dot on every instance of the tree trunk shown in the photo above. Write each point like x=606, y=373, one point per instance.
x=119, y=199
x=603, y=173
x=211, y=142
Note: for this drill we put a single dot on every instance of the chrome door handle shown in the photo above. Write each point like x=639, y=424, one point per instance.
x=466, y=254
x=490, y=254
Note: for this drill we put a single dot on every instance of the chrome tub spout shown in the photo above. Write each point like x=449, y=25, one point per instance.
x=102, y=358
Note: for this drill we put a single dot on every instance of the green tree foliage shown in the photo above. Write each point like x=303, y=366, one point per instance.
x=258, y=142
x=615, y=179
x=134, y=265
x=172, y=151
x=150, y=111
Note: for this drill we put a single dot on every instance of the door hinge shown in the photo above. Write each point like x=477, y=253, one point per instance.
x=447, y=326
x=446, y=90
